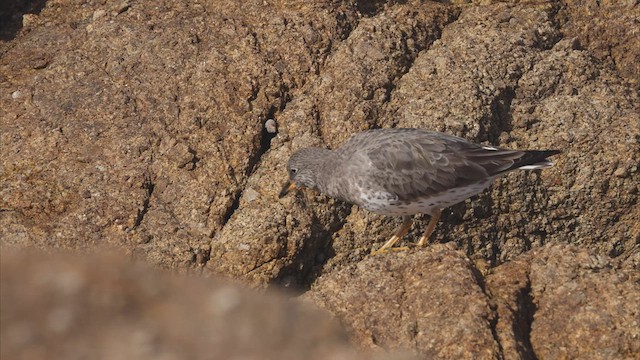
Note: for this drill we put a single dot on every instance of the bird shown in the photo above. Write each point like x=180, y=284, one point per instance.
x=405, y=172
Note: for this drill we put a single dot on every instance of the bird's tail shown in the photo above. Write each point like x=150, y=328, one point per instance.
x=534, y=159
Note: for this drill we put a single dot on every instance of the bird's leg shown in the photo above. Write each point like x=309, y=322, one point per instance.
x=402, y=230
x=432, y=225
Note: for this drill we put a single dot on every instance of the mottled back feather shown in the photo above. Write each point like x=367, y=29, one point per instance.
x=413, y=163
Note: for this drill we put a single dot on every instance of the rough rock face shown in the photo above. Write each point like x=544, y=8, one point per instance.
x=606, y=28
x=403, y=301
x=499, y=73
x=562, y=302
x=140, y=125
x=555, y=302
x=348, y=94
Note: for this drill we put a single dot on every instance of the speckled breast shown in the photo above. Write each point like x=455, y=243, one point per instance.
x=390, y=204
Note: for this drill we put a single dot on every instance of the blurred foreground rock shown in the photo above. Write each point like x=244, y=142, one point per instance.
x=58, y=306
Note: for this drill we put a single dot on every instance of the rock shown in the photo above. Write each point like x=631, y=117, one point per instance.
x=169, y=100
x=555, y=302
x=98, y=14
x=603, y=28
x=145, y=126
x=121, y=7
x=510, y=289
x=177, y=127
x=271, y=126
x=290, y=233
x=58, y=306
x=527, y=88
x=563, y=302
x=424, y=300
x=586, y=203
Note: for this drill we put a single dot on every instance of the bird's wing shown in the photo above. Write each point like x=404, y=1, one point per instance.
x=425, y=163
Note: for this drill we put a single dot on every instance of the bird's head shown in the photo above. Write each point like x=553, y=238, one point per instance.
x=303, y=168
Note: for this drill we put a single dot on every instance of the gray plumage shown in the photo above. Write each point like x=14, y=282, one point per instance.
x=403, y=172
x=398, y=167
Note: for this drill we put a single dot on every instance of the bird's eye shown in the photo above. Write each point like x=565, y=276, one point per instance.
x=293, y=171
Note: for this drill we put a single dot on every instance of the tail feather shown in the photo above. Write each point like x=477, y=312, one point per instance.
x=534, y=159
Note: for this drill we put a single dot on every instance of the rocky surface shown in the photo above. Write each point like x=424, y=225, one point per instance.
x=162, y=129
x=137, y=125
x=605, y=28
x=499, y=73
x=292, y=236
x=404, y=301
x=555, y=302
x=562, y=302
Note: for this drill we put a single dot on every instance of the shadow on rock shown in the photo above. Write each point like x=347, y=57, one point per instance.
x=11, y=15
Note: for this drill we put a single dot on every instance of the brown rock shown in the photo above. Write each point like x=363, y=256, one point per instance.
x=501, y=74
x=555, y=302
x=145, y=126
x=464, y=85
x=593, y=117
x=510, y=289
x=285, y=242
x=606, y=28
x=425, y=300
x=586, y=306
x=559, y=302
x=144, y=123
x=100, y=307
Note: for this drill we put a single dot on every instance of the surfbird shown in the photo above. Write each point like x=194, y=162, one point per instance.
x=404, y=172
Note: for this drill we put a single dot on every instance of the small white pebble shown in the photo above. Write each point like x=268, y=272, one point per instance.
x=271, y=126
x=16, y=94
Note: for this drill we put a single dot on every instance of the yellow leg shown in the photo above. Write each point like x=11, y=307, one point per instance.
x=400, y=232
x=432, y=225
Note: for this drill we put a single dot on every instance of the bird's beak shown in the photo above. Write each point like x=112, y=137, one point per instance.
x=288, y=186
